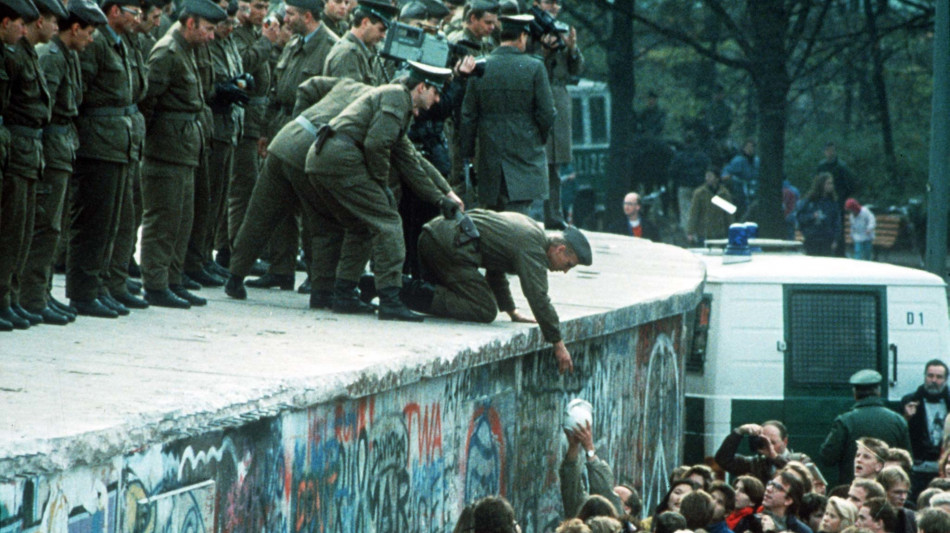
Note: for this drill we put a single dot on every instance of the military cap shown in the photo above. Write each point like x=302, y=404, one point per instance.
x=509, y=7
x=149, y=4
x=313, y=6
x=24, y=9
x=436, y=9
x=104, y=3
x=866, y=377
x=490, y=6
x=232, y=8
x=414, y=10
x=205, y=9
x=456, y=3
x=54, y=7
x=87, y=11
x=382, y=10
x=578, y=242
x=434, y=76
x=520, y=21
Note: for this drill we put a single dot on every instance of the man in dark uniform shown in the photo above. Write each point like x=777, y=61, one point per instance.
x=173, y=145
x=102, y=160
x=354, y=55
x=563, y=63
x=509, y=111
x=869, y=417
x=335, y=14
x=13, y=15
x=25, y=118
x=350, y=175
x=255, y=45
x=508, y=243
x=302, y=58
x=59, y=60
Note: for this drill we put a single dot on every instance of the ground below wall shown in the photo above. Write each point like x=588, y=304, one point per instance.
x=263, y=415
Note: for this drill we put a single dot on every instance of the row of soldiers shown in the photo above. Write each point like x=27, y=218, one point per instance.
x=206, y=105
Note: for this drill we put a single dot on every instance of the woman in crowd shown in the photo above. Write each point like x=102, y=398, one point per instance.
x=749, y=494
x=671, y=502
x=820, y=217
x=839, y=514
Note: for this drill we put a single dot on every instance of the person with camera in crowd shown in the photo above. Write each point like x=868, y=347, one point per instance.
x=770, y=442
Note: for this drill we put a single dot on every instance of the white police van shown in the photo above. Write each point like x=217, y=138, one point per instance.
x=777, y=337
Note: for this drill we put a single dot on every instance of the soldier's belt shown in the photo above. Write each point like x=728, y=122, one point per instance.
x=23, y=131
x=106, y=111
x=181, y=116
x=56, y=129
x=257, y=100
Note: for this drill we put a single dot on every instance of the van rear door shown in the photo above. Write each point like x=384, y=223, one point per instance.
x=831, y=332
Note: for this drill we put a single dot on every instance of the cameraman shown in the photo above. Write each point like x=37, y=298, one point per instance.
x=769, y=440
x=564, y=62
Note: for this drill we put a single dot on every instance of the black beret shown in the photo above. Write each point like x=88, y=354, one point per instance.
x=87, y=11
x=25, y=9
x=205, y=9
x=55, y=7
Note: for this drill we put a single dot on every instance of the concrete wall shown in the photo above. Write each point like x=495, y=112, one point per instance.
x=400, y=459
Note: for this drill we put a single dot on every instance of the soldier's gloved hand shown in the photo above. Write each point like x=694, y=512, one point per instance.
x=448, y=208
x=244, y=81
x=227, y=92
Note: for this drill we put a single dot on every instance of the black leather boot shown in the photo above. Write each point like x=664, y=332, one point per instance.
x=165, y=298
x=321, y=299
x=181, y=292
x=15, y=320
x=32, y=318
x=392, y=308
x=235, y=287
x=284, y=282
x=346, y=299
x=418, y=295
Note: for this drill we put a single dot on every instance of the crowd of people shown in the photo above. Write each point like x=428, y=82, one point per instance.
x=894, y=477
x=226, y=132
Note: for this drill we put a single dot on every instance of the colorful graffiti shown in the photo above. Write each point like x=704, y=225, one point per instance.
x=406, y=459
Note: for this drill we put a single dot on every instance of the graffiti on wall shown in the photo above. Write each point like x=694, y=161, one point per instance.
x=406, y=459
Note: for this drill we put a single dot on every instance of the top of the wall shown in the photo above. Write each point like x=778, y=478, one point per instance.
x=98, y=388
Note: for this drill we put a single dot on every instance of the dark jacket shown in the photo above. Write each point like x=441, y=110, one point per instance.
x=758, y=465
x=923, y=448
x=869, y=417
x=650, y=231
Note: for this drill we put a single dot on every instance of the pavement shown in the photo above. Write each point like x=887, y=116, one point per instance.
x=83, y=393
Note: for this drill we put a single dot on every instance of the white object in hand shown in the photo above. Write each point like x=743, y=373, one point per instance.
x=724, y=204
x=577, y=414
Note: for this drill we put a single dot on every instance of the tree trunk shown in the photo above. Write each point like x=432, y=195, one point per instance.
x=882, y=110
x=622, y=118
x=772, y=85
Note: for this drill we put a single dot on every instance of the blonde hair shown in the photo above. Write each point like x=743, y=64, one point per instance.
x=845, y=509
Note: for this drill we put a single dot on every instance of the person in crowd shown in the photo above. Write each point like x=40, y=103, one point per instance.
x=668, y=522
x=596, y=505
x=869, y=417
x=605, y=524
x=819, y=217
x=878, y=516
x=933, y=521
x=861, y=490
x=943, y=465
x=633, y=224
x=783, y=497
x=701, y=474
x=600, y=478
x=900, y=458
x=812, y=510
x=741, y=176
x=698, y=508
x=869, y=457
x=896, y=483
x=925, y=411
x=844, y=182
x=335, y=14
x=790, y=198
x=507, y=116
x=923, y=500
x=632, y=506
x=839, y=514
x=770, y=440
x=707, y=220
x=671, y=501
x=862, y=228
x=687, y=170
x=493, y=514
x=724, y=498
x=572, y=525
x=354, y=55
x=749, y=493
x=941, y=501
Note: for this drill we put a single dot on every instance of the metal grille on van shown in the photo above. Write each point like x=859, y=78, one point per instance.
x=832, y=334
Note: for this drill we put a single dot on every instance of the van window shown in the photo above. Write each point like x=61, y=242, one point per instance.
x=832, y=333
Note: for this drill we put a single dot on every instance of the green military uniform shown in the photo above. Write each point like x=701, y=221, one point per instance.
x=485, y=44
x=351, y=175
x=25, y=117
x=563, y=66
x=130, y=214
x=338, y=27
x=351, y=58
x=228, y=124
x=302, y=58
x=283, y=175
x=255, y=51
x=869, y=417
x=509, y=111
x=60, y=140
x=195, y=254
x=174, y=145
x=510, y=243
x=106, y=149
x=707, y=221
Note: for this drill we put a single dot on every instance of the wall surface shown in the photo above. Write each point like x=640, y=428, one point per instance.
x=397, y=460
